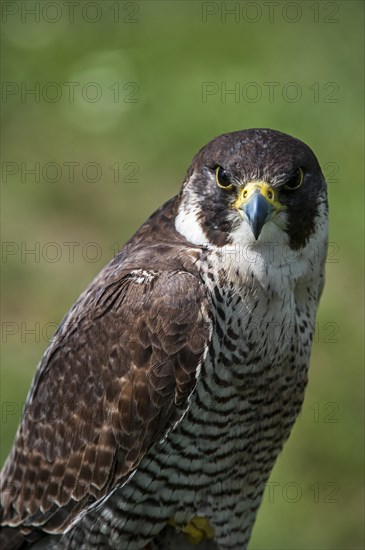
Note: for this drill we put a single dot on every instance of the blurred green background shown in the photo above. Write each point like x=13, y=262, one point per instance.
x=124, y=95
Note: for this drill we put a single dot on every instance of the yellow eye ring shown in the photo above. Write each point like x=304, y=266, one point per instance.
x=296, y=181
x=220, y=175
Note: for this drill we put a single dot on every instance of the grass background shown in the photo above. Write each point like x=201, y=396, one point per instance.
x=162, y=54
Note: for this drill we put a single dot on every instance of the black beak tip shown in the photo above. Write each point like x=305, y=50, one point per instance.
x=256, y=230
x=257, y=211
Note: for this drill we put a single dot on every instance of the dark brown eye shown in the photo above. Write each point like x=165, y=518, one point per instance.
x=295, y=181
x=222, y=178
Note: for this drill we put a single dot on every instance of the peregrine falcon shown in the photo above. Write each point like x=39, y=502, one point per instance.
x=170, y=387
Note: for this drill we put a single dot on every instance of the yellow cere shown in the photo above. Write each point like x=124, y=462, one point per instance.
x=266, y=191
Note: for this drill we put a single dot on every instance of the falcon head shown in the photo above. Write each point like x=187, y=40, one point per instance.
x=253, y=186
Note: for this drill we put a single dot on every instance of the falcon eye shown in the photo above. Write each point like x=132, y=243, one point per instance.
x=222, y=178
x=296, y=181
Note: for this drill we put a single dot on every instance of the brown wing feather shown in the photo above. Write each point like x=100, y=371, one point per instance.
x=116, y=377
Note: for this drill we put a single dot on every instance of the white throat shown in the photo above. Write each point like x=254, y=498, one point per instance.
x=270, y=259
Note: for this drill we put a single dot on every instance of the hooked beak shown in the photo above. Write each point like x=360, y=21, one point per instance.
x=258, y=204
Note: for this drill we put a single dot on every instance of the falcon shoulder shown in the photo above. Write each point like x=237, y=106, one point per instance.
x=116, y=378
